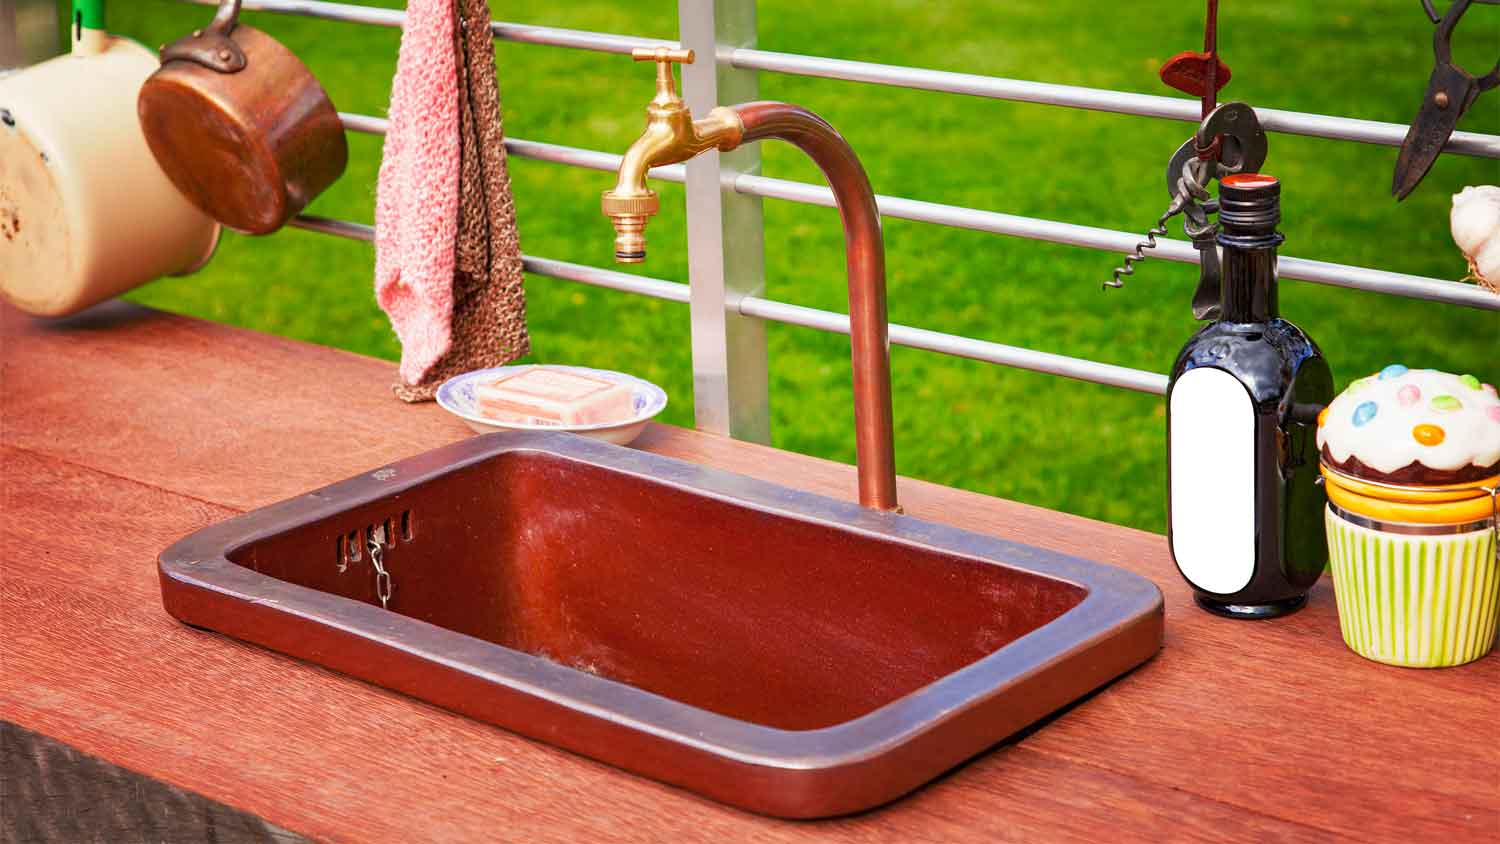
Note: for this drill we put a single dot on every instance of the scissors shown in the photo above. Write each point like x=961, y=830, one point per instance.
x=1450, y=92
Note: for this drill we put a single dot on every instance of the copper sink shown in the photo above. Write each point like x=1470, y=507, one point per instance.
x=779, y=651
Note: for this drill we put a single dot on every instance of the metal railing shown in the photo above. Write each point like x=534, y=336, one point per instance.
x=723, y=194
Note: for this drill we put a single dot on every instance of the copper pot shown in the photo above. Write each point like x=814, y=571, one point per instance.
x=240, y=125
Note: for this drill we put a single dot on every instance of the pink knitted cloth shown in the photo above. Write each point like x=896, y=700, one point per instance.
x=416, y=204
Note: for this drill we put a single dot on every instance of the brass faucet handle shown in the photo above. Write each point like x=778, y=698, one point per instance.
x=666, y=86
x=662, y=54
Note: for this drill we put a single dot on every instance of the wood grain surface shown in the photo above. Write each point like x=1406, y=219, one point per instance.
x=125, y=428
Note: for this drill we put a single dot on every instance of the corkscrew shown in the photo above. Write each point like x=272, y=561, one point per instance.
x=1229, y=140
x=1187, y=177
x=1139, y=253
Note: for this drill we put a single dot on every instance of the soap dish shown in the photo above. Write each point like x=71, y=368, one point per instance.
x=456, y=396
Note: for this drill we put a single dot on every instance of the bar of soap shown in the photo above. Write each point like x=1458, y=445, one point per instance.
x=546, y=396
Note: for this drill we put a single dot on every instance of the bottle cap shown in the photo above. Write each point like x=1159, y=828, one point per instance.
x=1250, y=202
x=1252, y=181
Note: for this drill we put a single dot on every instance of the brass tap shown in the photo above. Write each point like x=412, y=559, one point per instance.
x=671, y=136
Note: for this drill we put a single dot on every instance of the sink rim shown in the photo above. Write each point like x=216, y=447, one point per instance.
x=1114, y=599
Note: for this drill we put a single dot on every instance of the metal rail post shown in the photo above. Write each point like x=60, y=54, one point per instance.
x=10, y=47
x=731, y=389
x=29, y=32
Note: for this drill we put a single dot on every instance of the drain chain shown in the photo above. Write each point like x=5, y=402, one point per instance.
x=383, y=585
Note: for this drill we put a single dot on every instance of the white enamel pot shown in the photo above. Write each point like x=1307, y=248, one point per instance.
x=86, y=213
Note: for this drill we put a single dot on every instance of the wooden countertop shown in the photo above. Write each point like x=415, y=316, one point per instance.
x=125, y=428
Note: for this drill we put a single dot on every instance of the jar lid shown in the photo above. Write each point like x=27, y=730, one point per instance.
x=1450, y=504
x=1413, y=427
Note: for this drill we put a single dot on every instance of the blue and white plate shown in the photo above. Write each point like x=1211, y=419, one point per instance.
x=457, y=397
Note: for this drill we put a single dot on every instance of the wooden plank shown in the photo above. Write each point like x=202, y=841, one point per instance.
x=1268, y=719
x=334, y=758
x=225, y=415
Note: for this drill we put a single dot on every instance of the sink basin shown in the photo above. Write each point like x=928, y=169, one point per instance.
x=780, y=651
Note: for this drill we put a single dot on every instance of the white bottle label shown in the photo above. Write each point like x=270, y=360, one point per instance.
x=1211, y=458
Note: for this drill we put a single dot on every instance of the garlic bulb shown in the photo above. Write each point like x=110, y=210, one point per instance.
x=1475, y=221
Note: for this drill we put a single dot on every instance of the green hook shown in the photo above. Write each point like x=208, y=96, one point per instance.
x=87, y=14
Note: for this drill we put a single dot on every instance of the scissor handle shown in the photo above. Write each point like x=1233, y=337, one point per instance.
x=1442, y=39
x=1489, y=80
x=1433, y=16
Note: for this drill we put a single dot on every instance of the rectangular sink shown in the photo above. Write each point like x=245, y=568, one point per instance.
x=780, y=651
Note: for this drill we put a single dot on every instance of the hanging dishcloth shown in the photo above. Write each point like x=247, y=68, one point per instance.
x=448, y=257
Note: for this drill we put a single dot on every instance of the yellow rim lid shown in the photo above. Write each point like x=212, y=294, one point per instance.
x=1432, y=505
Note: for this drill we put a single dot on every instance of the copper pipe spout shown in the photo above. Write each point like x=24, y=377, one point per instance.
x=864, y=247
x=672, y=135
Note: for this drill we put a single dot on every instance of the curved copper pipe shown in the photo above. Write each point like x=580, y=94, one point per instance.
x=865, y=254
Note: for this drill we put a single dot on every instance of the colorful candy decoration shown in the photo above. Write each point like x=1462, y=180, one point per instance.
x=1323, y=417
x=1428, y=434
x=1445, y=424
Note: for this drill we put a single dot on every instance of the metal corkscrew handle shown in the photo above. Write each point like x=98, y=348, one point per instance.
x=1234, y=133
x=1186, y=175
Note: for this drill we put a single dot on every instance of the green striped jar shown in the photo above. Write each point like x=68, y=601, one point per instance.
x=1423, y=592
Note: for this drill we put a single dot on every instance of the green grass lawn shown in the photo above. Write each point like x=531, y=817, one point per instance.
x=1046, y=440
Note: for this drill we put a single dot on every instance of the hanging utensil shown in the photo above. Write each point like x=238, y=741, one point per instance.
x=241, y=125
x=1200, y=74
x=1451, y=90
x=85, y=212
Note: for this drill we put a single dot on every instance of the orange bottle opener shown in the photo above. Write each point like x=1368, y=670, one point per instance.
x=1201, y=74
x=1190, y=72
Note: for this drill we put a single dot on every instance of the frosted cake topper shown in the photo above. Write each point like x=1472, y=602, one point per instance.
x=1414, y=425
